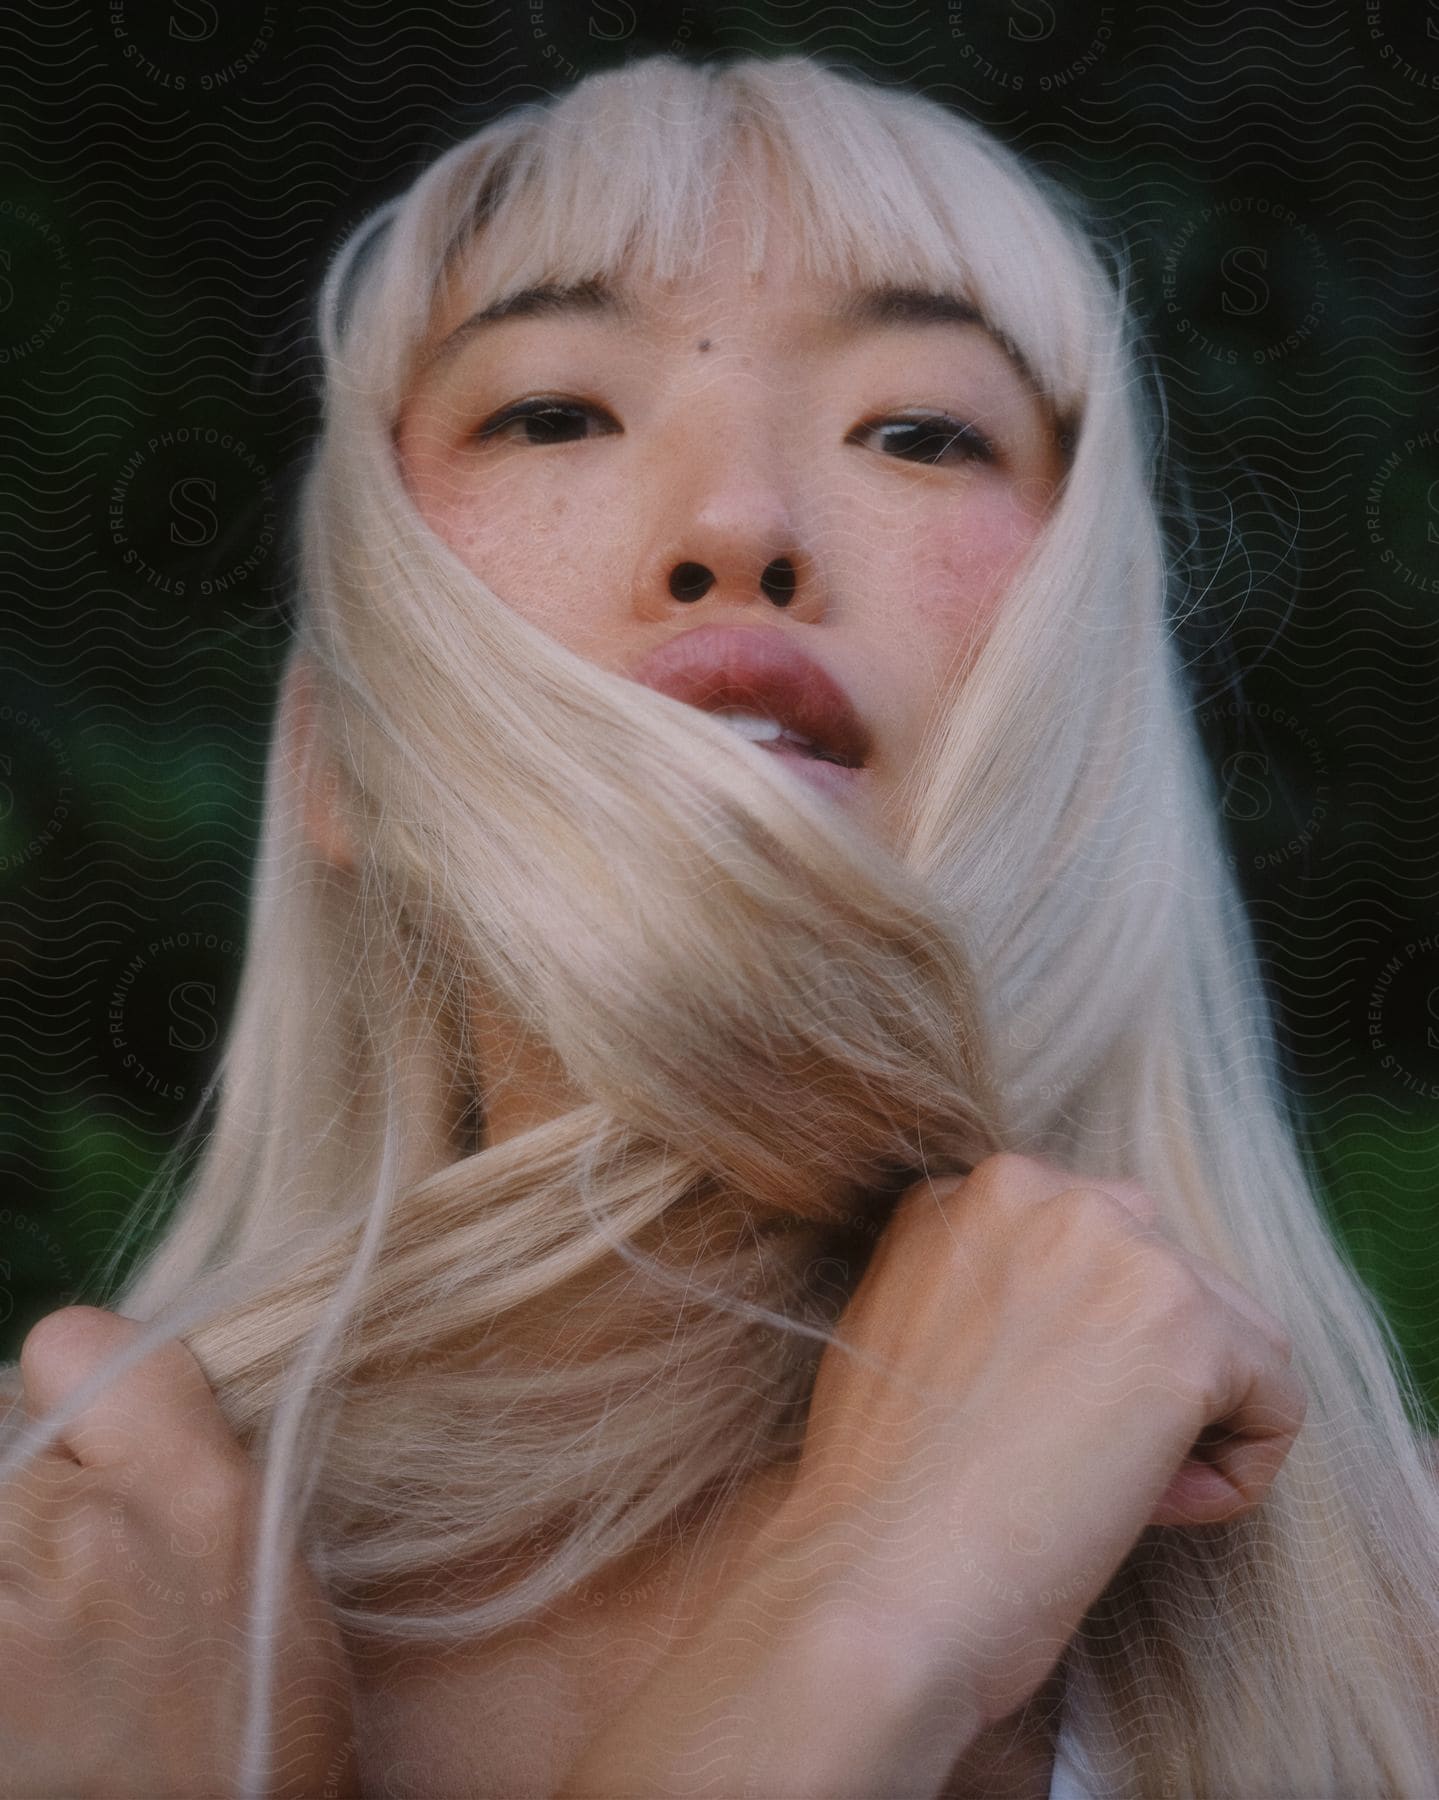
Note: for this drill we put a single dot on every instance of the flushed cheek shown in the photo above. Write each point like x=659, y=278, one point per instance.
x=969, y=563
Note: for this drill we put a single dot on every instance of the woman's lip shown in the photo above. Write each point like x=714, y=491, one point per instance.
x=757, y=669
x=835, y=779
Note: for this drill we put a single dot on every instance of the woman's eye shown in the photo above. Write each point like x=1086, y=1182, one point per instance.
x=932, y=438
x=541, y=421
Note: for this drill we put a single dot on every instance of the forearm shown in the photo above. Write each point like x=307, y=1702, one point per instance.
x=774, y=1700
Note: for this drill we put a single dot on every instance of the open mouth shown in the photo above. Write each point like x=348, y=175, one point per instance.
x=835, y=776
x=767, y=688
x=761, y=730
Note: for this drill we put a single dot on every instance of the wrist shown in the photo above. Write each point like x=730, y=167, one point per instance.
x=789, y=1690
x=861, y=1713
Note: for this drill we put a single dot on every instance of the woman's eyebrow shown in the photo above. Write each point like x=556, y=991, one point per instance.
x=890, y=304
x=549, y=299
x=858, y=310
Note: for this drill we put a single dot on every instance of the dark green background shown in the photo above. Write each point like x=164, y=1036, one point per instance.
x=176, y=177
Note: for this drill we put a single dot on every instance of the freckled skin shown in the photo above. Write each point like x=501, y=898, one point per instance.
x=736, y=456
x=724, y=433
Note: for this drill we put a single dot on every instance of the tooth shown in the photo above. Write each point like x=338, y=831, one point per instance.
x=753, y=726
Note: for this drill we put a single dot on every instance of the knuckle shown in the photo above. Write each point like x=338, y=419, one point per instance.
x=1035, y=1180
x=1160, y=1296
x=1007, y=1168
x=61, y=1341
x=1087, y=1198
x=1276, y=1335
x=1176, y=1296
x=1089, y=1216
x=1136, y=1198
x=1007, y=1182
x=1108, y=1204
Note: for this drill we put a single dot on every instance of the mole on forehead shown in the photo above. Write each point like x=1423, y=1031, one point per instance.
x=850, y=310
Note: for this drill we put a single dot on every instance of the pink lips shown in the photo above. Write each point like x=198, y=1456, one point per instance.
x=755, y=669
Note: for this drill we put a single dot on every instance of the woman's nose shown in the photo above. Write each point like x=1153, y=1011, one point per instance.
x=725, y=535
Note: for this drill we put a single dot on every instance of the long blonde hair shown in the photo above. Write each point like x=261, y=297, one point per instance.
x=518, y=1360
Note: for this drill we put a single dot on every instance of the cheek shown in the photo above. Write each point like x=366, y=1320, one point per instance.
x=525, y=546
x=964, y=567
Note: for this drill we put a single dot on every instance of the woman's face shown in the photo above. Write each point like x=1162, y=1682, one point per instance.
x=575, y=455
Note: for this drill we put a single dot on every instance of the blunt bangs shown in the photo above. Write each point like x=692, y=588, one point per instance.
x=874, y=186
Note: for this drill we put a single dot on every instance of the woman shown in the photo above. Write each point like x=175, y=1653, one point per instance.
x=740, y=1265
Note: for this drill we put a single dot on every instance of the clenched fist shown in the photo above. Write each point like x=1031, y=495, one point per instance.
x=1027, y=1375
x=124, y=1583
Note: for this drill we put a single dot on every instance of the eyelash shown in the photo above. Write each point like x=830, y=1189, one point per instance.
x=976, y=446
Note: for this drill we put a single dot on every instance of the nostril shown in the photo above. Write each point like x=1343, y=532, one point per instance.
x=690, y=581
x=778, y=581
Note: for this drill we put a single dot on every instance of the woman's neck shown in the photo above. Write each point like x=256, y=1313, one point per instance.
x=521, y=1080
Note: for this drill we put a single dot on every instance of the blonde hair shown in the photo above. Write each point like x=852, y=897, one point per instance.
x=521, y=1359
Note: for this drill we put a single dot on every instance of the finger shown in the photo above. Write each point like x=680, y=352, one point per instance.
x=1231, y=1467
x=1131, y=1195
x=1005, y=1187
x=1024, y=1180
x=1244, y=1303
x=1032, y=1178
x=1138, y=1200
x=1269, y=1415
x=160, y=1412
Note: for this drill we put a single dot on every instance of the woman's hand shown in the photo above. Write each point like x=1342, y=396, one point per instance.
x=935, y=1550
x=124, y=1570
x=1083, y=1379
